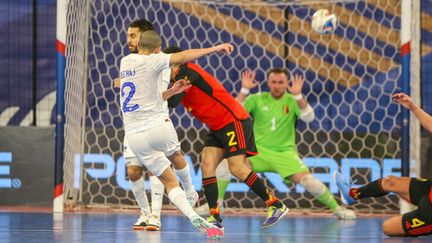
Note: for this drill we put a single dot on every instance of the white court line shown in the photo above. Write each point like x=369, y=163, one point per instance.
x=182, y=232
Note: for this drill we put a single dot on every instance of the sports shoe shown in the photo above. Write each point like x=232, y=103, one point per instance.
x=215, y=222
x=344, y=188
x=153, y=223
x=192, y=198
x=212, y=232
x=274, y=214
x=141, y=223
x=345, y=213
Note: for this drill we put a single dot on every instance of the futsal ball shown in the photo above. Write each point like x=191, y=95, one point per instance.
x=324, y=22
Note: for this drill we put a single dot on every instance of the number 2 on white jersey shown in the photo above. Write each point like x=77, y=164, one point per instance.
x=126, y=107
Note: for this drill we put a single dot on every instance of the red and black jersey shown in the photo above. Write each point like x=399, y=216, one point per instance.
x=207, y=99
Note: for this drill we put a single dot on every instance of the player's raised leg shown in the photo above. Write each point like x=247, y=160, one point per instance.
x=414, y=190
x=377, y=188
x=182, y=171
x=178, y=197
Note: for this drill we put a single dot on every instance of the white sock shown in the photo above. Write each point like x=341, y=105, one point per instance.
x=157, y=192
x=185, y=179
x=138, y=190
x=178, y=198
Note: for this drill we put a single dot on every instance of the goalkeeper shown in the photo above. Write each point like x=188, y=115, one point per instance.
x=275, y=115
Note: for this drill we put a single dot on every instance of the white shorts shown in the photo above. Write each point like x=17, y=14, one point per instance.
x=152, y=147
x=129, y=156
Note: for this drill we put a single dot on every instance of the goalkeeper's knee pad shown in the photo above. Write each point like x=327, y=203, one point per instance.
x=313, y=185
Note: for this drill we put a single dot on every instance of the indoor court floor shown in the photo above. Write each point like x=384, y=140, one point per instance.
x=116, y=227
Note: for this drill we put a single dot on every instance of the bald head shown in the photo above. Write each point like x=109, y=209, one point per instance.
x=149, y=41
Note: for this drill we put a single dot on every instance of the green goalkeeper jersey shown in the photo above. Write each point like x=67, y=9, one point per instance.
x=274, y=120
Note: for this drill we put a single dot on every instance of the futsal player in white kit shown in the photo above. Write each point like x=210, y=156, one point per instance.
x=148, y=129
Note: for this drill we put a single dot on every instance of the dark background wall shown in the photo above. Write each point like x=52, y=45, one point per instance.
x=19, y=48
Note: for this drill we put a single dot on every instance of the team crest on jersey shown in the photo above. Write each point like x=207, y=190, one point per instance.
x=286, y=109
x=265, y=108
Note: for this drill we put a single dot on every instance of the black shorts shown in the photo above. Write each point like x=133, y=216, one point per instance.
x=236, y=138
x=419, y=221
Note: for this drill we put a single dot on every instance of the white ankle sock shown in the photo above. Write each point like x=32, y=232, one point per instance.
x=178, y=198
x=185, y=179
x=138, y=190
x=157, y=192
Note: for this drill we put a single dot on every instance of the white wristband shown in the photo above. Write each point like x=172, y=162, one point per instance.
x=298, y=97
x=245, y=91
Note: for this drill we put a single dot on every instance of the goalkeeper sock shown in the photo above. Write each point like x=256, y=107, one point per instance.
x=222, y=186
x=328, y=200
x=319, y=191
x=373, y=189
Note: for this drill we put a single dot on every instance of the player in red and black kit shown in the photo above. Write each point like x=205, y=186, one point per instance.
x=417, y=191
x=231, y=136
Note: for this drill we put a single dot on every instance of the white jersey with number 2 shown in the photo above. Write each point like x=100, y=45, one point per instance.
x=143, y=79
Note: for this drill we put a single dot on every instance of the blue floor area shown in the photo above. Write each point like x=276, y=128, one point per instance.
x=116, y=227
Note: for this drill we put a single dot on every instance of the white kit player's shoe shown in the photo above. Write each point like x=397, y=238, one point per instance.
x=211, y=231
x=153, y=223
x=141, y=223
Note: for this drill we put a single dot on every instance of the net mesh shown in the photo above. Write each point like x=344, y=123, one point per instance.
x=350, y=76
x=75, y=74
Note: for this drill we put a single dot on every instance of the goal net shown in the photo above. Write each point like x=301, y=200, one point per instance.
x=350, y=76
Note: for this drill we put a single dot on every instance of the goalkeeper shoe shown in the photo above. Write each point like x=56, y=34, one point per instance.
x=215, y=222
x=212, y=232
x=141, y=223
x=344, y=188
x=274, y=214
x=345, y=213
x=153, y=223
x=192, y=198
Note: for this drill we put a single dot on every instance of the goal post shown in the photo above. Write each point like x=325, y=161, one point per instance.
x=350, y=77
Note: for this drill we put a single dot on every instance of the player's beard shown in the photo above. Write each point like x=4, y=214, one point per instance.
x=133, y=49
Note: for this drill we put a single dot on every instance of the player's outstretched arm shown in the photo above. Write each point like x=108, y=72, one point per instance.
x=424, y=118
x=178, y=87
x=295, y=87
x=193, y=54
x=248, y=82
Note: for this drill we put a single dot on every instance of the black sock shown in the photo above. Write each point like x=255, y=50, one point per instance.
x=257, y=186
x=373, y=189
x=211, y=193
